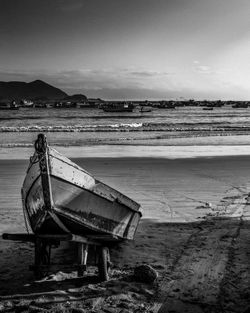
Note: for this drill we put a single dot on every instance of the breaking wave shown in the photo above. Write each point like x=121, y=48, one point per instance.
x=121, y=127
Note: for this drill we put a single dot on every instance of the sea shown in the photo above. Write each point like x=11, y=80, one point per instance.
x=94, y=126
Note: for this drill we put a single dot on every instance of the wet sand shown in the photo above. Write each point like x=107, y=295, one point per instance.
x=79, y=140
x=194, y=232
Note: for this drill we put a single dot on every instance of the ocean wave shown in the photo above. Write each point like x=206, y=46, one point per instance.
x=69, y=117
x=192, y=115
x=127, y=127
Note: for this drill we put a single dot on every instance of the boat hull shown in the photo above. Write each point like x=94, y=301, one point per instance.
x=74, y=201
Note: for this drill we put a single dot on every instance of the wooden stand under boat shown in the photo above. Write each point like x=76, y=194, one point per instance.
x=44, y=243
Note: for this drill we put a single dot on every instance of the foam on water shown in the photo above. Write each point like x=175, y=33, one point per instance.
x=87, y=118
x=149, y=127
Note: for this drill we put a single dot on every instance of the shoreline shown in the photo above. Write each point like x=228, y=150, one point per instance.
x=132, y=151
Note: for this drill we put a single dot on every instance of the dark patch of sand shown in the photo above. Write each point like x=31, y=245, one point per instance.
x=202, y=266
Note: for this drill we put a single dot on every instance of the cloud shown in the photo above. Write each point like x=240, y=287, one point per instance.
x=149, y=73
x=205, y=69
x=109, y=82
x=134, y=83
x=24, y=75
x=110, y=78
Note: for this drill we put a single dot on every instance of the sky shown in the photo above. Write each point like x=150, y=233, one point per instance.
x=129, y=49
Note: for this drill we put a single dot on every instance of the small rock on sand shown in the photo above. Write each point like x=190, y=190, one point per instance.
x=145, y=273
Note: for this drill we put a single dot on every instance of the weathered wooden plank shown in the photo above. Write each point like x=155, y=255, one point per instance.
x=60, y=237
x=82, y=258
x=103, y=237
x=19, y=237
x=94, y=240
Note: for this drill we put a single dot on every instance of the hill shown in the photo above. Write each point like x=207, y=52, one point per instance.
x=77, y=97
x=32, y=90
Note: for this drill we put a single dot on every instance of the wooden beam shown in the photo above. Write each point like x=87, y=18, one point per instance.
x=82, y=258
x=103, y=238
x=19, y=237
x=61, y=237
x=81, y=239
x=97, y=240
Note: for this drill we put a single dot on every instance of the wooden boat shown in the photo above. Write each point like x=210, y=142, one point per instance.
x=145, y=109
x=208, y=108
x=61, y=197
x=118, y=107
x=240, y=106
x=165, y=106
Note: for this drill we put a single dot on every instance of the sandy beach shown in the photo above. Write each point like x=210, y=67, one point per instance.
x=194, y=233
x=124, y=156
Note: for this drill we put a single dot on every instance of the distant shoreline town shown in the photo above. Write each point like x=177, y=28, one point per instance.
x=38, y=94
x=75, y=101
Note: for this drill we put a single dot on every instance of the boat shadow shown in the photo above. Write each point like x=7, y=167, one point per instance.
x=153, y=241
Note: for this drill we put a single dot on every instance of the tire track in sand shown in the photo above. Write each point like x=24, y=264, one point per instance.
x=194, y=282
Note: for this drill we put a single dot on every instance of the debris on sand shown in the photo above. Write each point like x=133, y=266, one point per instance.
x=145, y=273
x=120, y=294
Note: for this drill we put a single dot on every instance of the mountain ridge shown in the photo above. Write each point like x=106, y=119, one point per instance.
x=34, y=89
